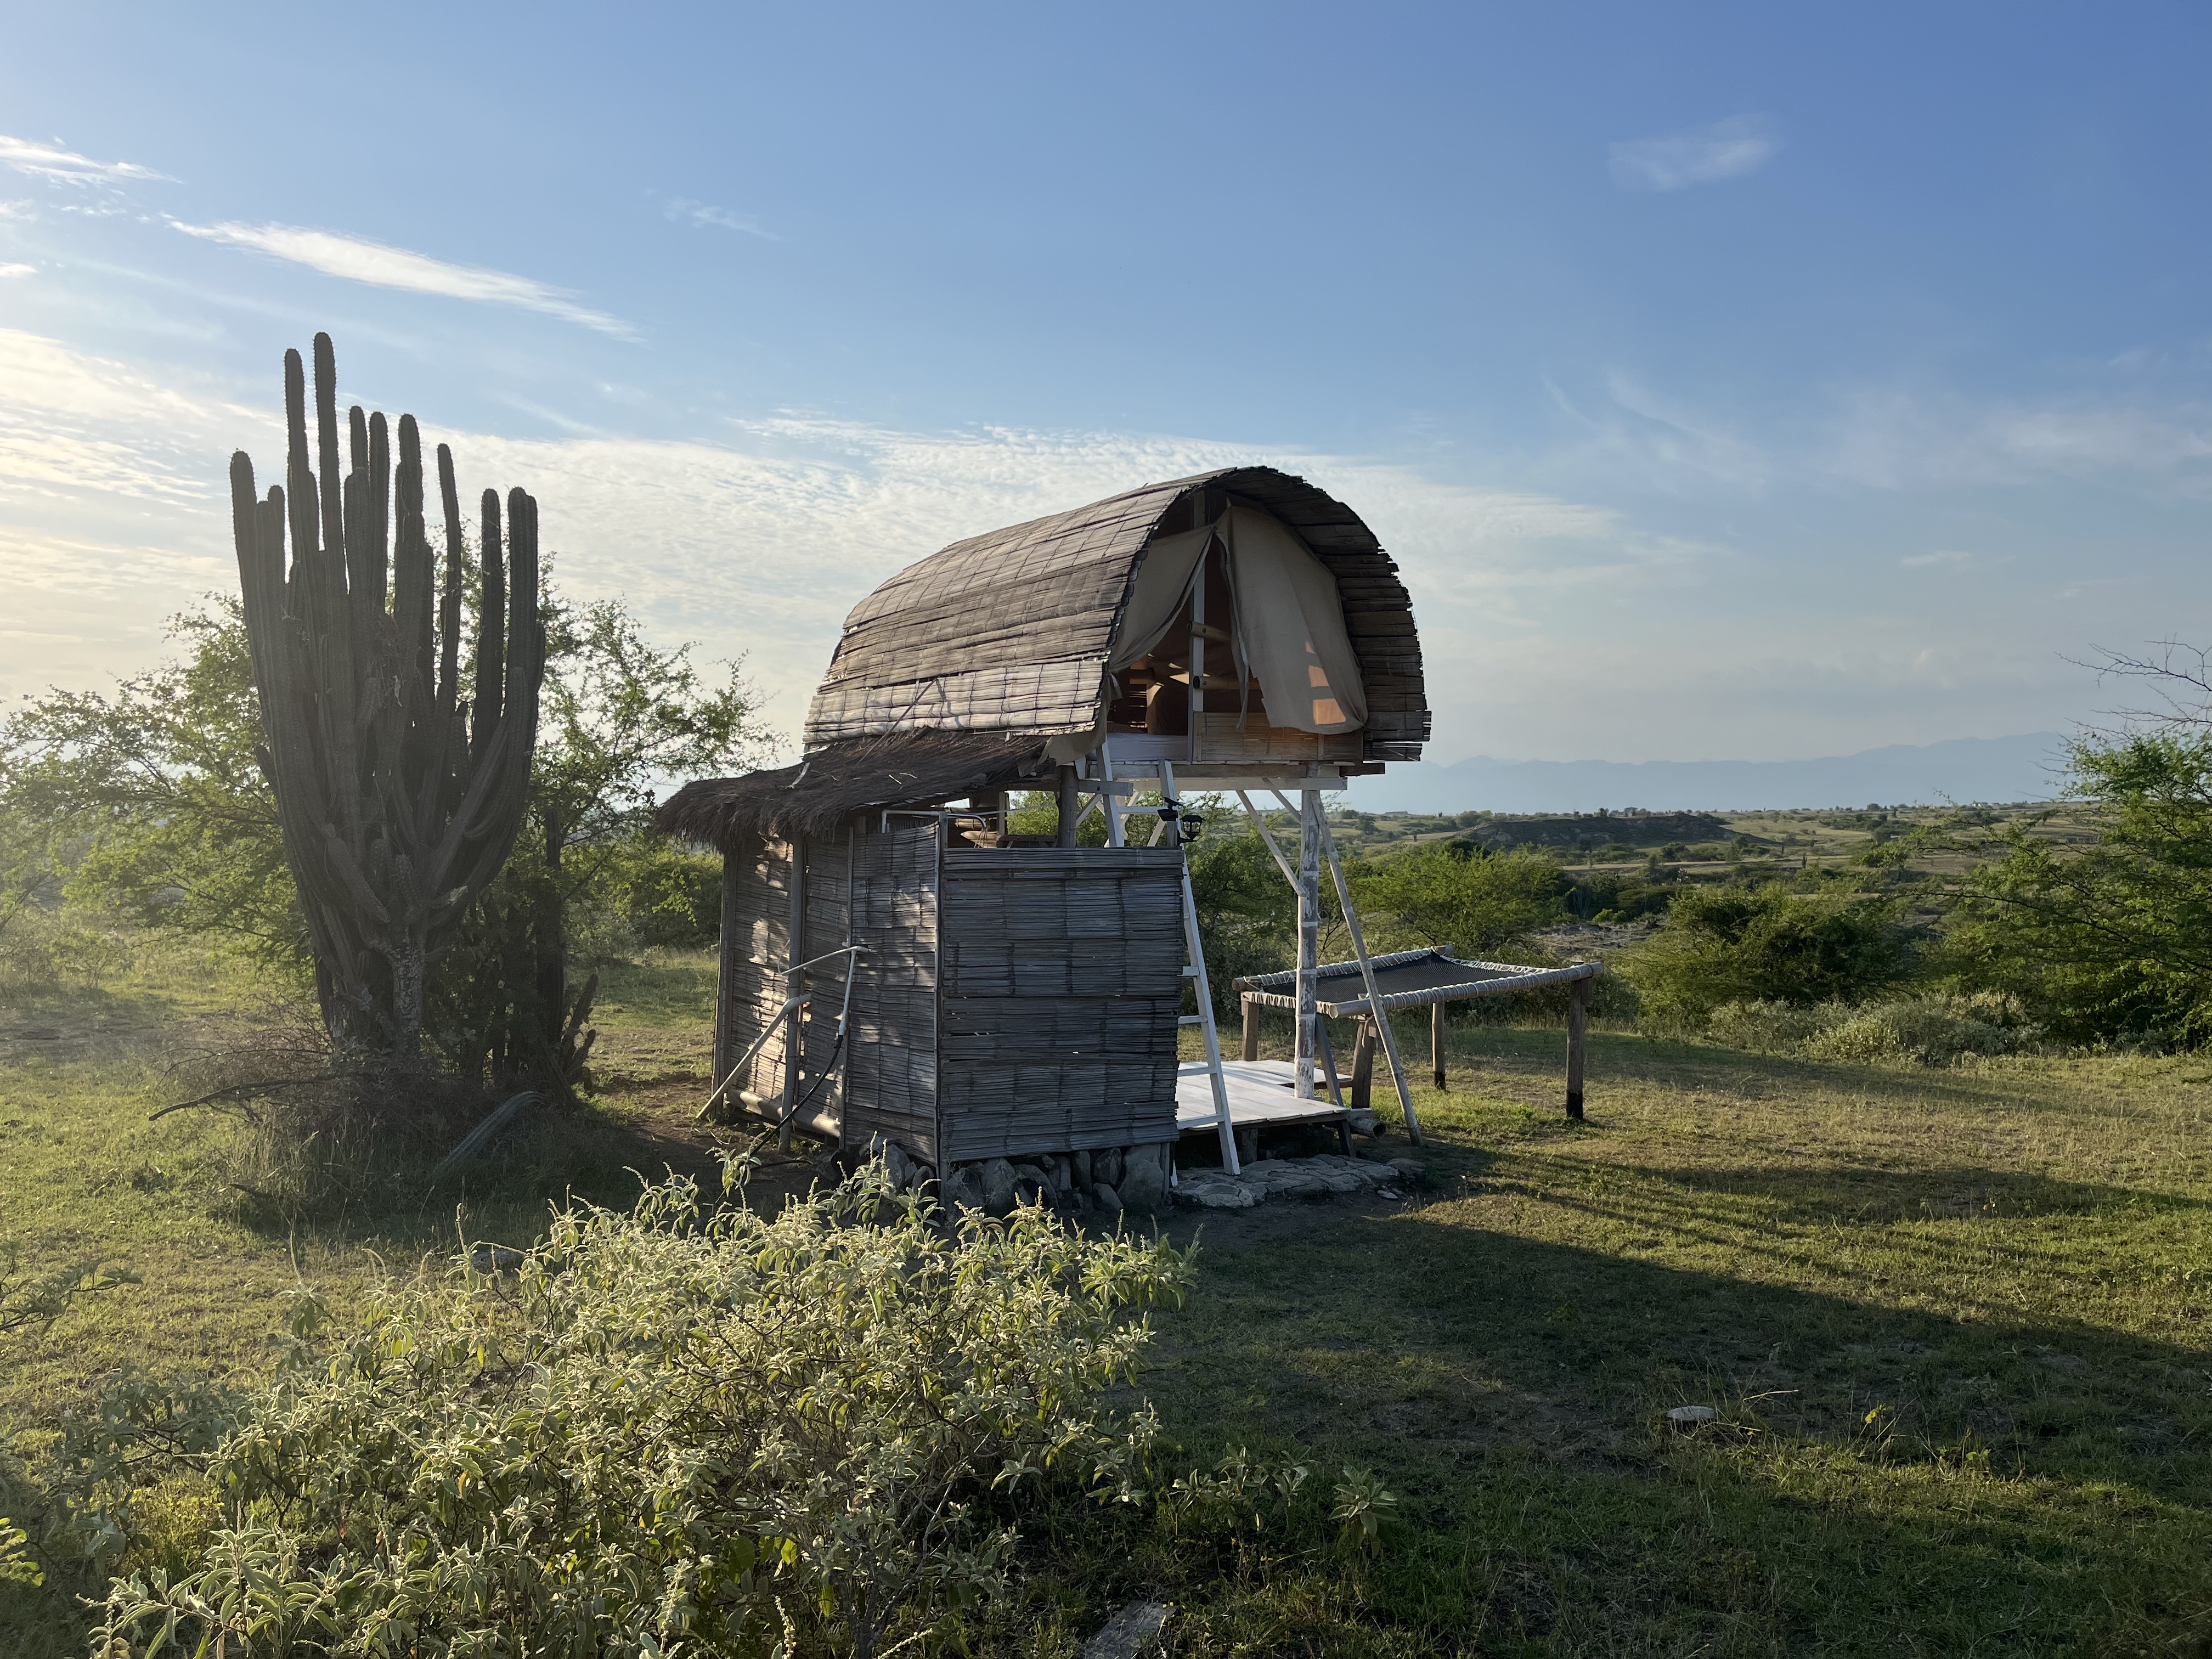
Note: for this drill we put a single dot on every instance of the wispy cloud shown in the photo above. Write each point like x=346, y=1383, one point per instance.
x=58, y=166
x=1701, y=156
x=18, y=271
x=1945, y=558
x=703, y=214
x=1637, y=433
x=1890, y=439
x=382, y=265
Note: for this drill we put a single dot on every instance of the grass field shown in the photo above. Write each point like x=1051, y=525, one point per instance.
x=1954, y=1326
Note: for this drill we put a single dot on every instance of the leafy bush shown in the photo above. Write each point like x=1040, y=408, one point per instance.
x=1247, y=916
x=665, y=1432
x=1765, y=944
x=2111, y=940
x=1456, y=893
x=1935, y=1031
x=1616, y=895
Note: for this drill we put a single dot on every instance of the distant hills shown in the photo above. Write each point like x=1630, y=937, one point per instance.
x=2025, y=768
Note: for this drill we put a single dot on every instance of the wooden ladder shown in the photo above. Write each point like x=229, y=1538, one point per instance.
x=1194, y=970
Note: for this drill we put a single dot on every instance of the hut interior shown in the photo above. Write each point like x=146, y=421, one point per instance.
x=898, y=968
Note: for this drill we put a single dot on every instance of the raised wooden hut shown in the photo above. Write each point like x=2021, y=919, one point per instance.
x=895, y=966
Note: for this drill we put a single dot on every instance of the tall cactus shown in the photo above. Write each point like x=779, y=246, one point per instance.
x=399, y=798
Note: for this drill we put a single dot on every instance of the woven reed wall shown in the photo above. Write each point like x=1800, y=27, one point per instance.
x=1218, y=738
x=1062, y=979
x=756, y=948
x=757, y=954
x=892, y=1072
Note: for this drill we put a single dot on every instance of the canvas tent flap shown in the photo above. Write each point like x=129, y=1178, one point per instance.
x=1292, y=623
x=1162, y=581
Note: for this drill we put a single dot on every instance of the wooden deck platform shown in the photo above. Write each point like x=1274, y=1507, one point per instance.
x=1260, y=1091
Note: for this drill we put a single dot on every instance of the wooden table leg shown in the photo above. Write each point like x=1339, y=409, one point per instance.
x=1363, y=1067
x=1436, y=1044
x=1251, y=1028
x=1578, y=1002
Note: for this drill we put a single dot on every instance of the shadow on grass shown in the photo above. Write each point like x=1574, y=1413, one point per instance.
x=1830, y=1194
x=600, y=1154
x=1879, y=1479
x=1537, y=1054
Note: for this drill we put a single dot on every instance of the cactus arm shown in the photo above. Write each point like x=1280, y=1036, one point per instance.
x=491, y=622
x=412, y=579
x=332, y=621
x=378, y=524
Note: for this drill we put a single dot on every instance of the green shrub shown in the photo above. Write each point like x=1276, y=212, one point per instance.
x=1456, y=893
x=2111, y=940
x=1765, y=944
x=1934, y=1030
x=665, y=1432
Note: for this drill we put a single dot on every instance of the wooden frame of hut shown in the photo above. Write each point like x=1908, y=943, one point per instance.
x=898, y=968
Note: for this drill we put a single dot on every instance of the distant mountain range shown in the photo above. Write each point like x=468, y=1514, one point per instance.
x=2026, y=768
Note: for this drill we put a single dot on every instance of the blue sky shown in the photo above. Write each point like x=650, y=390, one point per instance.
x=1731, y=381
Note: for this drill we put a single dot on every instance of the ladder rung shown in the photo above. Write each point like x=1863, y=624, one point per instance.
x=1190, y=1019
x=1193, y=1069
x=1190, y=973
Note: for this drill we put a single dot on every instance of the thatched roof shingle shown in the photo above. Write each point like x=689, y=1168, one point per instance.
x=814, y=795
x=1010, y=631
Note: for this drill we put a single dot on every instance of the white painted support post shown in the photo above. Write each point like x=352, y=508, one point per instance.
x=1311, y=827
x=1374, y=996
x=1274, y=851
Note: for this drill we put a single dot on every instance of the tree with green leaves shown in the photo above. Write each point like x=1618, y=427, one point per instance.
x=1768, y=942
x=155, y=785
x=2112, y=940
x=1459, y=894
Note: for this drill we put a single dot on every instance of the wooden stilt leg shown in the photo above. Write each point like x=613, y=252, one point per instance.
x=1329, y=1059
x=1578, y=1002
x=1363, y=1067
x=1436, y=1044
x=1251, y=1028
x=1071, y=812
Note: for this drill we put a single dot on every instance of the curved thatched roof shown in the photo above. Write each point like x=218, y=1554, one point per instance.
x=1010, y=631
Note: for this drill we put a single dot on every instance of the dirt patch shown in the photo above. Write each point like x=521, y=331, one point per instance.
x=661, y=1118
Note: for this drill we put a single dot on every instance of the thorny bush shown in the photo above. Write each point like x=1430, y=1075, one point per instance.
x=666, y=1432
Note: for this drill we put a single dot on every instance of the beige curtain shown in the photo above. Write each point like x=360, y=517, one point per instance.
x=1162, y=583
x=1292, y=624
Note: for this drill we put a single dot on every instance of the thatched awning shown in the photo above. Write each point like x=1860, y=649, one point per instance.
x=814, y=795
x=1011, y=632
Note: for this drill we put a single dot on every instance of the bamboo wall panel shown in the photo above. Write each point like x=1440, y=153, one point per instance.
x=1063, y=977
x=755, y=951
x=822, y=1070
x=1218, y=738
x=891, y=1080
